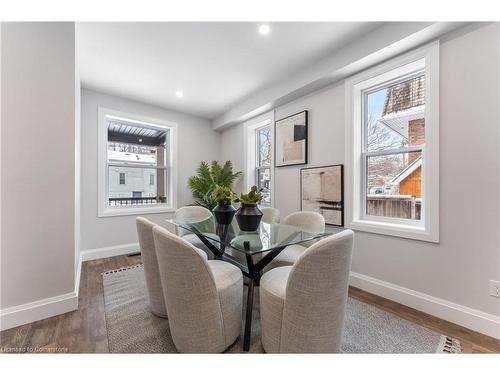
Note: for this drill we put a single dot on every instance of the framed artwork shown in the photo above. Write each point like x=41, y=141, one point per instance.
x=291, y=140
x=322, y=191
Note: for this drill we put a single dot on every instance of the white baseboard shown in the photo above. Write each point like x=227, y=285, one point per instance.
x=475, y=320
x=46, y=308
x=110, y=251
x=37, y=310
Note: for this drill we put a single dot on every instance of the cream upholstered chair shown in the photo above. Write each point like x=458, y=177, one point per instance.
x=203, y=298
x=308, y=221
x=192, y=213
x=270, y=215
x=151, y=270
x=302, y=307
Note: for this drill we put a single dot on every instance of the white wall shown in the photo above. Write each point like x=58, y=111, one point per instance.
x=232, y=148
x=37, y=167
x=196, y=142
x=459, y=268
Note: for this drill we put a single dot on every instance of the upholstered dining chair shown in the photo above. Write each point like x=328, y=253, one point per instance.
x=270, y=215
x=307, y=221
x=302, y=307
x=151, y=269
x=203, y=297
x=192, y=213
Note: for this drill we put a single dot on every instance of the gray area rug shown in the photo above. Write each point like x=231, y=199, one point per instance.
x=132, y=328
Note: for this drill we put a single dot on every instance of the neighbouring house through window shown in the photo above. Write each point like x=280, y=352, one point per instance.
x=138, y=152
x=394, y=125
x=263, y=163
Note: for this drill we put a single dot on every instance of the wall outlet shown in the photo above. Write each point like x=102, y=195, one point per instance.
x=495, y=288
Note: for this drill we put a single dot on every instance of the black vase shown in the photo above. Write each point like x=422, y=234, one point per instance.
x=248, y=217
x=224, y=213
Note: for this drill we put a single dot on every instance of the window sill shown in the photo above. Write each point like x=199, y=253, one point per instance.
x=139, y=210
x=412, y=232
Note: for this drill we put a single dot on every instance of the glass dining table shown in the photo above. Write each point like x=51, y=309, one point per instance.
x=249, y=251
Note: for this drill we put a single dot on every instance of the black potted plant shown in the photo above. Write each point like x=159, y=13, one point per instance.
x=249, y=215
x=224, y=211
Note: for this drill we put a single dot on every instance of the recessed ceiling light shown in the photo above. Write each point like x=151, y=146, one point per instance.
x=264, y=29
x=179, y=94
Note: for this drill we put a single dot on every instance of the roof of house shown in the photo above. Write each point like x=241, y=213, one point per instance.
x=410, y=168
x=405, y=95
x=403, y=103
x=399, y=121
x=132, y=157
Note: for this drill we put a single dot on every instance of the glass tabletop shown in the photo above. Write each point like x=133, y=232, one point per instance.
x=267, y=237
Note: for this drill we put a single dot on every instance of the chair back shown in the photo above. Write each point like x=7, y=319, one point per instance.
x=191, y=296
x=270, y=215
x=316, y=296
x=151, y=269
x=191, y=213
x=308, y=221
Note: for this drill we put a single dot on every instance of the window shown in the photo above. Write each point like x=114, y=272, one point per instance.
x=392, y=153
x=136, y=172
x=259, y=156
x=263, y=162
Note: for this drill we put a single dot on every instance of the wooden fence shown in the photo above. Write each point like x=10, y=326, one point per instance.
x=399, y=206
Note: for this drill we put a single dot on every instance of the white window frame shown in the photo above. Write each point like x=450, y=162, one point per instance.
x=103, y=209
x=425, y=59
x=250, y=150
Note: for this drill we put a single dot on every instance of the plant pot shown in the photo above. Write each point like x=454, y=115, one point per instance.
x=248, y=217
x=224, y=213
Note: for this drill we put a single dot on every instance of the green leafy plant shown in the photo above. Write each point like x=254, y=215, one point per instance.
x=252, y=197
x=207, y=178
x=223, y=195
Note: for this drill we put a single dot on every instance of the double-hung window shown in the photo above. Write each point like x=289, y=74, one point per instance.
x=259, y=155
x=136, y=164
x=392, y=147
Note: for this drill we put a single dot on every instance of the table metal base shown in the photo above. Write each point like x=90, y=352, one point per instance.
x=251, y=270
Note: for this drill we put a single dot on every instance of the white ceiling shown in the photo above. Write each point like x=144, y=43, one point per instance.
x=215, y=64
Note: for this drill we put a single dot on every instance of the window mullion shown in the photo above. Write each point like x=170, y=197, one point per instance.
x=404, y=150
x=127, y=165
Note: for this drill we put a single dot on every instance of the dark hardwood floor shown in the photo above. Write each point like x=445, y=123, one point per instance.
x=84, y=331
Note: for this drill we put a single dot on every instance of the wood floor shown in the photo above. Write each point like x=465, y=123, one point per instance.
x=84, y=331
